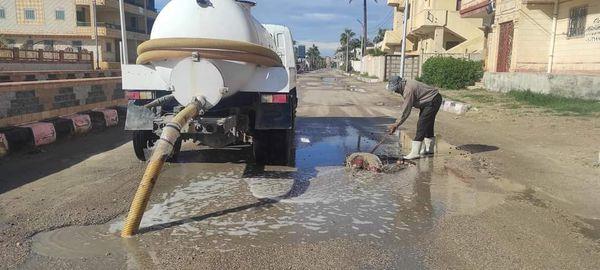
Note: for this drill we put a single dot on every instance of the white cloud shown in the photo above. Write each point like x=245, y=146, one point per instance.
x=318, y=17
x=327, y=47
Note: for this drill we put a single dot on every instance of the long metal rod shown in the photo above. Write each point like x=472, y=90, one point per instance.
x=403, y=54
x=125, y=55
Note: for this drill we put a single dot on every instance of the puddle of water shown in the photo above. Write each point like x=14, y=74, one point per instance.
x=76, y=242
x=329, y=80
x=319, y=200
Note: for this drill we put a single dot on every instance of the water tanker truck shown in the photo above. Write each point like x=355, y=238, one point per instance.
x=213, y=74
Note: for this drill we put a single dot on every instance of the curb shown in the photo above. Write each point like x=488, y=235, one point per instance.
x=455, y=107
x=48, y=131
x=360, y=78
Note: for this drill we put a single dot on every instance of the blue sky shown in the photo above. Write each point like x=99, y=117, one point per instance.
x=320, y=22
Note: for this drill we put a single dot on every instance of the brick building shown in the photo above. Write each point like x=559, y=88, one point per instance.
x=71, y=25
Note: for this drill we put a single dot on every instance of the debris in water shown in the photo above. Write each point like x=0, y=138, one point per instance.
x=364, y=161
x=305, y=140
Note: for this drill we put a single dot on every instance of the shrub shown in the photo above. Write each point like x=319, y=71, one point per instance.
x=451, y=73
x=375, y=52
x=343, y=67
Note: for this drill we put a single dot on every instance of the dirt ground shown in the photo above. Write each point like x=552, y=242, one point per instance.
x=511, y=187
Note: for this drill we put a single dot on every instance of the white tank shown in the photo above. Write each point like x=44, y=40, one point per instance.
x=216, y=19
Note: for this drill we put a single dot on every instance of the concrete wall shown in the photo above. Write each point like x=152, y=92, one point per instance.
x=23, y=102
x=43, y=66
x=587, y=87
x=373, y=65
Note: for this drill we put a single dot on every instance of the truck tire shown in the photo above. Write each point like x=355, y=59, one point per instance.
x=145, y=139
x=274, y=147
x=142, y=140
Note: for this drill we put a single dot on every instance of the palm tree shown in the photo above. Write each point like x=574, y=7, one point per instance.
x=313, y=55
x=345, y=39
x=380, y=35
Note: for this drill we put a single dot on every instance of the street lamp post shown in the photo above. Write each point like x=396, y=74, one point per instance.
x=96, y=34
x=347, y=52
x=362, y=40
x=403, y=54
x=125, y=54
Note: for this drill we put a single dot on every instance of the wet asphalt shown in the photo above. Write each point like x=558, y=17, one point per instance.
x=216, y=209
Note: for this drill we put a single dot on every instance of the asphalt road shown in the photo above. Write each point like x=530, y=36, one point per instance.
x=62, y=208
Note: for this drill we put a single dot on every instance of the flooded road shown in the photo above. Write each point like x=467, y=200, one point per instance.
x=216, y=209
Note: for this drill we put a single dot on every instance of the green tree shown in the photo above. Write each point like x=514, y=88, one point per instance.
x=380, y=35
x=313, y=57
x=347, y=38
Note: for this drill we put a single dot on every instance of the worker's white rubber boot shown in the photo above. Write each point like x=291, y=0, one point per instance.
x=428, y=147
x=414, y=151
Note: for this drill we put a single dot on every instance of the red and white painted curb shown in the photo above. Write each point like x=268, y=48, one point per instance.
x=45, y=132
x=455, y=107
x=82, y=123
x=3, y=145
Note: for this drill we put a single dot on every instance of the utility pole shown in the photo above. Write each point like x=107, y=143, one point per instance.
x=362, y=40
x=405, y=21
x=364, y=43
x=96, y=33
x=125, y=54
x=347, y=52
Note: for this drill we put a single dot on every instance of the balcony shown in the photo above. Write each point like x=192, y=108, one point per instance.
x=393, y=40
x=427, y=20
x=537, y=2
x=399, y=4
x=474, y=8
x=131, y=6
x=110, y=30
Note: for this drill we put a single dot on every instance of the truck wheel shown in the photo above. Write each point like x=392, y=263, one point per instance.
x=143, y=140
x=274, y=147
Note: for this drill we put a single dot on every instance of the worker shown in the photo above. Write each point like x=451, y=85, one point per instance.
x=428, y=100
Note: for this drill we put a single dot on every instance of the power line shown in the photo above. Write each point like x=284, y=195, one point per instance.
x=385, y=19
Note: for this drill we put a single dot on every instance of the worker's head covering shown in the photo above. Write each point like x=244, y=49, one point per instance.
x=396, y=84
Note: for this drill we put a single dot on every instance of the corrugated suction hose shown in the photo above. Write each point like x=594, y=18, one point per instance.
x=164, y=148
x=219, y=49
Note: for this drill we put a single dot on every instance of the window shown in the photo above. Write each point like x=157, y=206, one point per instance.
x=577, y=18
x=29, y=14
x=108, y=47
x=133, y=22
x=2, y=13
x=80, y=14
x=77, y=45
x=60, y=14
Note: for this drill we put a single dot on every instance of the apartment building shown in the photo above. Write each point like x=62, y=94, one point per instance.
x=73, y=24
x=434, y=26
x=547, y=36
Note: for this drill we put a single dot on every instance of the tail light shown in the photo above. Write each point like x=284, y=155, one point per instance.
x=136, y=95
x=274, y=98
